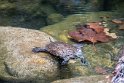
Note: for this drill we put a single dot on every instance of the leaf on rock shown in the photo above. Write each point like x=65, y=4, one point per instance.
x=91, y=32
x=76, y=35
x=102, y=37
x=96, y=26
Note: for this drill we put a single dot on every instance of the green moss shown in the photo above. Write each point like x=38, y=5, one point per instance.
x=54, y=18
x=7, y=6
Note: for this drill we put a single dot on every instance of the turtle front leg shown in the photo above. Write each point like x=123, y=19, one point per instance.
x=38, y=49
x=84, y=61
x=65, y=61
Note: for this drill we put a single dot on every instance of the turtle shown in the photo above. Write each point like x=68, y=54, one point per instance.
x=63, y=50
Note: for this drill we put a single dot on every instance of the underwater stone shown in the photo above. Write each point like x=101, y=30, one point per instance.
x=85, y=79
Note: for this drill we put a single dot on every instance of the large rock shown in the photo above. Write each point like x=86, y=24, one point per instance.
x=86, y=79
x=17, y=61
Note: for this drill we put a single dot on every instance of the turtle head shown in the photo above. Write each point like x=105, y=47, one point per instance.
x=38, y=49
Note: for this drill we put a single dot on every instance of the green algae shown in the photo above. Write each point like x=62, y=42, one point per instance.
x=100, y=57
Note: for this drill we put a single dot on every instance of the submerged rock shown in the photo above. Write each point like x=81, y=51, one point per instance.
x=27, y=14
x=18, y=62
x=104, y=57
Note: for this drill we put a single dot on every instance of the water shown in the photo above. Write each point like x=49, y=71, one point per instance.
x=34, y=15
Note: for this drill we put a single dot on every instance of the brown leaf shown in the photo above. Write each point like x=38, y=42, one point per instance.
x=102, y=37
x=86, y=33
x=117, y=21
x=121, y=27
x=76, y=35
x=96, y=26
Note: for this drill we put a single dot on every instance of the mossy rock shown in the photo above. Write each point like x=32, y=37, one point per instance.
x=106, y=52
x=54, y=18
x=25, y=13
x=17, y=61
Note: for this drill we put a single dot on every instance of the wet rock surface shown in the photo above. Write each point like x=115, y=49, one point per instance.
x=18, y=62
x=85, y=79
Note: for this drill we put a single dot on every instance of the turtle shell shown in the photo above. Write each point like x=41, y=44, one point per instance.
x=61, y=49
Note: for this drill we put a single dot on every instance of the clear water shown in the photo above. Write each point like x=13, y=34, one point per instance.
x=34, y=15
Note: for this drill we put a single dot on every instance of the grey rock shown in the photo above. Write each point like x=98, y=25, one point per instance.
x=118, y=72
x=86, y=79
x=18, y=61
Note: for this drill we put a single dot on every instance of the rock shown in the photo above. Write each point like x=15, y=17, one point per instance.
x=29, y=14
x=118, y=71
x=85, y=79
x=78, y=69
x=54, y=18
x=17, y=60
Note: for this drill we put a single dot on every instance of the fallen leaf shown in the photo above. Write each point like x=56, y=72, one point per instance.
x=121, y=27
x=86, y=33
x=96, y=26
x=117, y=21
